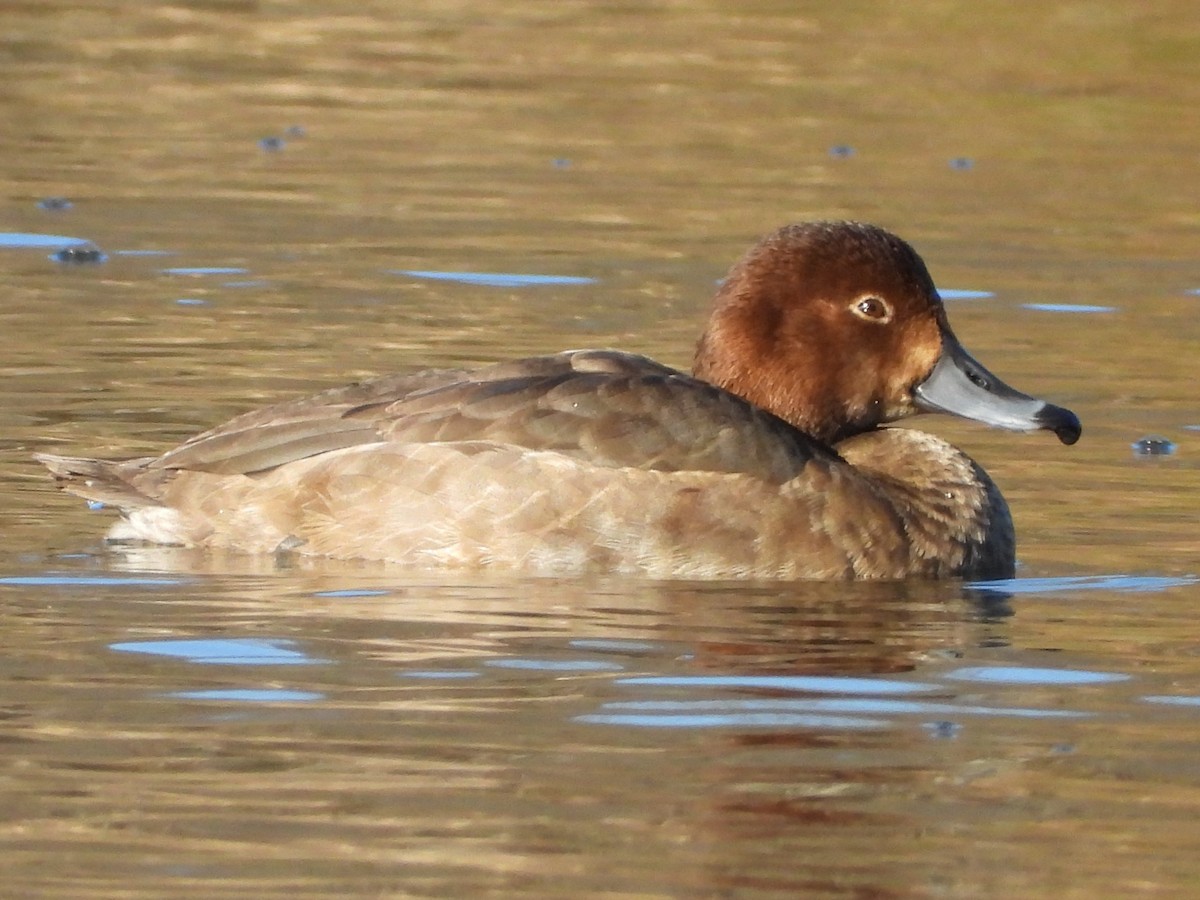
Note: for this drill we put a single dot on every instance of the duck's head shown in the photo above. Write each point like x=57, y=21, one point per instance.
x=837, y=327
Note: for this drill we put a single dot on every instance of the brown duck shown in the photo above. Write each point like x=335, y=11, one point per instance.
x=768, y=461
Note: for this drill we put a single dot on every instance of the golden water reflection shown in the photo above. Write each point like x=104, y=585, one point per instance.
x=644, y=146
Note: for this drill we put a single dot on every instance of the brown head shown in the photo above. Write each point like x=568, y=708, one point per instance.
x=837, y=327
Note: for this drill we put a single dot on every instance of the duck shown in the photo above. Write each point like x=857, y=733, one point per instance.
x=775, y=458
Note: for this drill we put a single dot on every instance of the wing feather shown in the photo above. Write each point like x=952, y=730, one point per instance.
x=609, y=408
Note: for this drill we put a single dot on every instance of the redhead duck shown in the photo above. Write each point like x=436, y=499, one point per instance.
x=768, y=461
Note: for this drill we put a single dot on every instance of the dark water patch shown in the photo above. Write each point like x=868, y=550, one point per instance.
x=943, y=730
x=271, y=144
x=1153, y=445
x=841, y=151
x=55, y=204
x=79, y=255
x=962, y=164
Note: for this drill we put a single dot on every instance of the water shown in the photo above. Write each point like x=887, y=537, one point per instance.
x=289, y=196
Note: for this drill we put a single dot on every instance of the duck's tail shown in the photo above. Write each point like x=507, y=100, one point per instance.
x=108, y=481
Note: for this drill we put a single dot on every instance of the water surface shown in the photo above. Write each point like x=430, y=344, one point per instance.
x=287, y=196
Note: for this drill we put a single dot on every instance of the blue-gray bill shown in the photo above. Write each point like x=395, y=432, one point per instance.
x=961, y=386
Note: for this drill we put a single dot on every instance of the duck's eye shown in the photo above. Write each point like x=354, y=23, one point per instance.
x=874, y=309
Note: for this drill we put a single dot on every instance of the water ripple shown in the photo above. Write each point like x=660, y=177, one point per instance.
x=495, y=279
x=1122, y=583
x=1027, y=675
x=249, y=695
x=89, y=581
x=224, y=651
x=806, y=683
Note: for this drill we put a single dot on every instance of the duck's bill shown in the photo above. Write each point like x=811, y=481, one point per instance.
x=962, y=387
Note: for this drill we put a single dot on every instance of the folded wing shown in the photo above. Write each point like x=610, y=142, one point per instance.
x=604, y=407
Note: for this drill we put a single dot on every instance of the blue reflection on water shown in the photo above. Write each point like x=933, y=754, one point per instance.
x=89, y=581
x=1172, y=700
x=205, y=270
x=615, y=645
x=1029, y=675
x=224, y=651
x=495, y=279
x=841, y=705
x=1123, y=583
x=20, y=239
x=1068, y=307
x=436, y=674
x=250, y=695
x=852, y=710
x=809, y=683
x=353, y=592
x=739, y=720
x=952, y=294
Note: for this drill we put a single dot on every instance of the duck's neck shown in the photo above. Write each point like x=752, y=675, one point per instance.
x=747, y=364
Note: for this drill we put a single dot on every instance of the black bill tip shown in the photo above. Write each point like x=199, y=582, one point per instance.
x=1063, y=422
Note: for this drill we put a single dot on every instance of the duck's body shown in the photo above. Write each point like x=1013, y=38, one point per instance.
x=766, y=463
